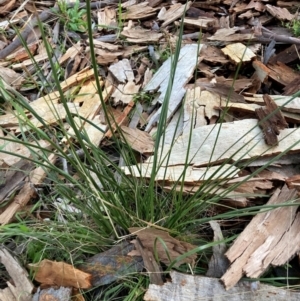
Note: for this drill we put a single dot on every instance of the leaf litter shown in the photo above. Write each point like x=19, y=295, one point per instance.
x=134, y=45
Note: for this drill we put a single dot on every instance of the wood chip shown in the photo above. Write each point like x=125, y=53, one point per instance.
x=187, y=61
x=195, y=288
x=238, y=53
x=266, y=240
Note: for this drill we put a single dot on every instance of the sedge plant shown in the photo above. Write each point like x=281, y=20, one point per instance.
x=103, y=206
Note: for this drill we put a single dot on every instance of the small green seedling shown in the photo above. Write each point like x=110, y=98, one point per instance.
x=73, y=18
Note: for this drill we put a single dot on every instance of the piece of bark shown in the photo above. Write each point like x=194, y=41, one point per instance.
x=287, y=56
x=293, y=182
x=138, y=140
x=122, y=71
x=193, y=114
x=173, y=13
x=19, y=287
x=282, y=74
x=230, y=35
x=173, y=174
x=174, y=129
x=52, y=294
x=139, y=11
x=271, y=120
x=213, y=55
x=269, y=129
x=118, y=121
x=199, y=22
x=187, y=62
x=237, y=141
x=16, y=150
x=238, y=53
x=230, y=198
x=107, y=19
x=20, y=200
x=264, y=241
x=47, y=116
x=183, y=287
x=141, y=35
x=113, y=264
x=292, y=88
x=13, y=179
x=281, y=14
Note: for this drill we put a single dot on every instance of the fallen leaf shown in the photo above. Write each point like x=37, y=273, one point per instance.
x=60, y=273
x=174, y=248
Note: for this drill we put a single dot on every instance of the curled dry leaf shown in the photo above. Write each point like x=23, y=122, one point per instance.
x=60, y=273
x=151, y=239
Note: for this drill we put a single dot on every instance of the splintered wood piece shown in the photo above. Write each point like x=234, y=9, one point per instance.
x=90, y=108
x=187, y=62
x=266, y=240
x=238, y=52
x=140, y=35
x=11, y=77
x=139, y=11
x=12, y=179
x=124, y=93
x=271, y=120
x=61, y=274
x=120, y=119
x=281, y=14
x=276, y=118
x=213, y=55
x=50, y=115
x=70, y=53
x=193, y=115
x=202, y=22
x=39, y=58
x=105, y=57
x=173, y=13
x=23, y=54
x=20, y=200
x=175, y=248
x=103, y=45
x=269, y=129
x=95, y=130
x=173, y=174
x=122, y=71
x=138, y=140
x=107, y=18
x=19, y=150
x=239, y=140
x=287, y=56
x=293, y=87
x=282, y=74
x=196, y=288
x=62, y=293
x=209, y=101
x=38, y=175
x=286, y=103
x=230, y=35
x=19, y=287
x=232, y=198
x=293, y=182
